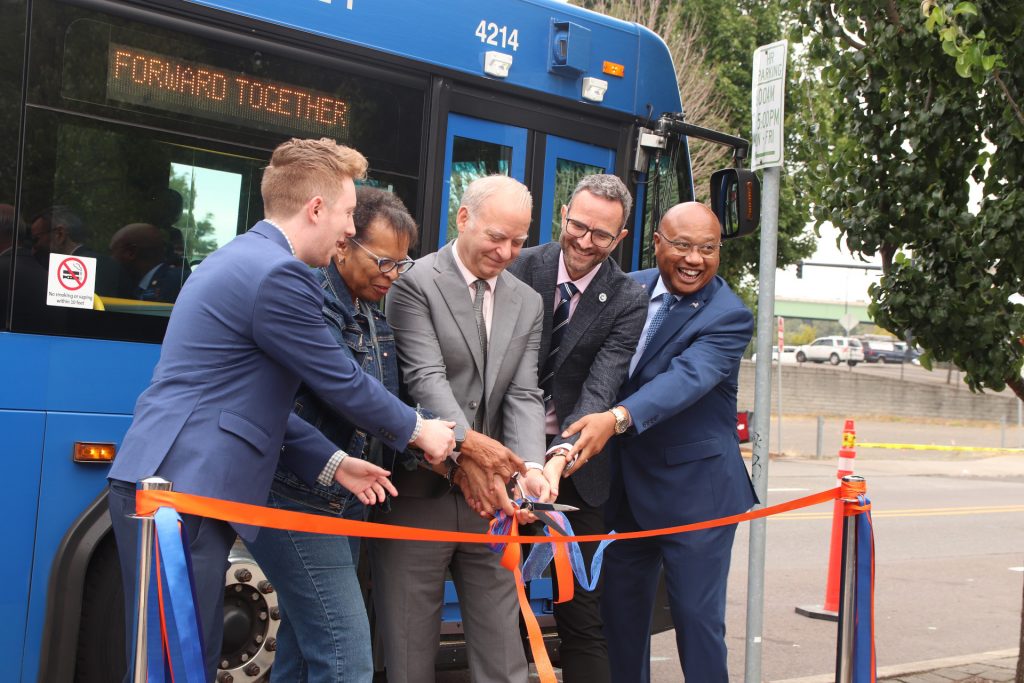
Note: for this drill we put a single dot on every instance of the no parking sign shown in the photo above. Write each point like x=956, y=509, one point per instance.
x=72, y=281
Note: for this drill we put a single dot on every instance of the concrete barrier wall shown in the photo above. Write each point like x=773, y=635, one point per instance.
x=811, y=389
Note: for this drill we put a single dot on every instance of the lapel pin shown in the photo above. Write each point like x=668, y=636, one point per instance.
x=695, y=304
x=602, y=297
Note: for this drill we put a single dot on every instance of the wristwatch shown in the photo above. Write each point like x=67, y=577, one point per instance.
x=621, y=419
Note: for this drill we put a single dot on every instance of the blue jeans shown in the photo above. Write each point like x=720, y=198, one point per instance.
x=324, y=635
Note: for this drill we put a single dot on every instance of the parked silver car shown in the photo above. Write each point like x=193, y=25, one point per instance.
x=835, y=350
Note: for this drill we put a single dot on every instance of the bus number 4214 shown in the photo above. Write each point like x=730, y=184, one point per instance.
x=489, y=34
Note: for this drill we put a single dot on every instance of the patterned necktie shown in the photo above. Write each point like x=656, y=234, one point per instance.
x=478, y=313
x=559, y=321
x=481, y=329
x=659, y=317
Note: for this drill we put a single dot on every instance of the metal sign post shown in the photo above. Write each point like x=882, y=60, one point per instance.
x=767, y=97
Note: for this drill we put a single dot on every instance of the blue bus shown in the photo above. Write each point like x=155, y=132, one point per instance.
x=164, y=112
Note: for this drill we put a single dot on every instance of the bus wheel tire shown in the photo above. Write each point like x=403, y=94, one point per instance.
x=101, y=641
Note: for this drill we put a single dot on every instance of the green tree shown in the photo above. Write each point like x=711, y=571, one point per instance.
x=916, y=123
x=200, y=238
x=926, y=104
x=712, y=45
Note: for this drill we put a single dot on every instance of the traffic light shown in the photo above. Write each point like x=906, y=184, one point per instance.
x=800, y=269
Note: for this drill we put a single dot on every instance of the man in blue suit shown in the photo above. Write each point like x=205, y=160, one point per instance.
x=678, y=460
x=246, y=329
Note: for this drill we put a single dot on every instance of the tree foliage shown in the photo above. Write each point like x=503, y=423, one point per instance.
x=712, y=45
x=925, y=106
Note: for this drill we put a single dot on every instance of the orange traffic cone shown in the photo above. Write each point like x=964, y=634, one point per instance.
x=830, y=610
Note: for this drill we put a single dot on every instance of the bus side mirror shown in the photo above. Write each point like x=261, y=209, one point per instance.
x=736, y=200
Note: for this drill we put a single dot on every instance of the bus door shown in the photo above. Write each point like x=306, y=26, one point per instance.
x=565, y=162
x=475, y=148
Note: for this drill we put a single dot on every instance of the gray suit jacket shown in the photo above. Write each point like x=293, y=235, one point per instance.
x=599, y=342
x=431, y=312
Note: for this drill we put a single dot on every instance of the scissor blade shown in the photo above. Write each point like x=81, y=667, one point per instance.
x=553, y=507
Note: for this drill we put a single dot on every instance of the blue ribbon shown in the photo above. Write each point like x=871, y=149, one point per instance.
x=863, y=628
x=184, y=646
x=542, y=554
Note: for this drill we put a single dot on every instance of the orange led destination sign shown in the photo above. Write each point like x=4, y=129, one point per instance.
x=154, y=80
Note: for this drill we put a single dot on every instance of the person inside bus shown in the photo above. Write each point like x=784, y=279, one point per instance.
x=59, y=230
x=468, y=335
x=597, y=312
x=141, y=251
x=244, y=334
x=324, y=634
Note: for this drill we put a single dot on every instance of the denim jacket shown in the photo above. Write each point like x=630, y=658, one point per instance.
x=355, y=332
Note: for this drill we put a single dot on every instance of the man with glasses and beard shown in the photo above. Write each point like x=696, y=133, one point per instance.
x=593, y=313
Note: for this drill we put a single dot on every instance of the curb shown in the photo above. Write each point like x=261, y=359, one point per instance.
x=916, y=667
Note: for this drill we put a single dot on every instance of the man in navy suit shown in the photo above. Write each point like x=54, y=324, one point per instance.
x=678, y=460
x=246, y=329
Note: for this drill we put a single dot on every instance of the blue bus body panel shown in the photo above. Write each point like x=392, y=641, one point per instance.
x=74, y=375
x=66, y=489
x=60, y=390
x=445, y=34
x=22, y=444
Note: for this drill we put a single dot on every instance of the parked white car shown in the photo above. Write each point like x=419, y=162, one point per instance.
x=788, y=355
x=834, y=350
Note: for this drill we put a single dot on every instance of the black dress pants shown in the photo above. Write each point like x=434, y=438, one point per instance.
x=584, y=651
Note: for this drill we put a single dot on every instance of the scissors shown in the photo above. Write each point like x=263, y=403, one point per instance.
x=536, y=505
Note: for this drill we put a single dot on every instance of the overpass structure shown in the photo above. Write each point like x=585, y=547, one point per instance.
x=821, y=310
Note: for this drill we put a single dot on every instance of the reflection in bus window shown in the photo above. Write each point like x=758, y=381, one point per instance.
x=209, y=216
x=472, y=159
x=567, y=174
x=674, y=186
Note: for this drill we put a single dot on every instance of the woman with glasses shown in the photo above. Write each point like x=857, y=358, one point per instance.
x=324, y=635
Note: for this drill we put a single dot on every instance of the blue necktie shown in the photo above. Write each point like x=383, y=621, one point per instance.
x=659, y=317
x=559, y=321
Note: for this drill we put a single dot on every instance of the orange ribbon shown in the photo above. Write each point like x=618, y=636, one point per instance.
x=510, y=561
x=147, y=502
x=850, y=493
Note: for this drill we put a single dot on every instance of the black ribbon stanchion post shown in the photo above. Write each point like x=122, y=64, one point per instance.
x=140, y=665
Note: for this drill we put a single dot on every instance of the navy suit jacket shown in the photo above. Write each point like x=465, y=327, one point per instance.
x=246, y=329
x=681, y=463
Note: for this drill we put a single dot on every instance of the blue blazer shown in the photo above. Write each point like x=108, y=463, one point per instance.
x=246, y=329
x=681, y=463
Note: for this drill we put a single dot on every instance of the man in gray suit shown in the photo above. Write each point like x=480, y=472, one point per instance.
x=468, y=335
x=593, y=314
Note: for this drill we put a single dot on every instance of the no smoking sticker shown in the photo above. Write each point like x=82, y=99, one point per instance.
x=71, y=282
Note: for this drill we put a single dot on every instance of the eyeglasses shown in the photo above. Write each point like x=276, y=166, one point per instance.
x=684, y=247
x=600, y=238
x=386, y=265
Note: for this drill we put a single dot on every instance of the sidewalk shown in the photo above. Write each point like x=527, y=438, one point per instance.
x=998, y=666
x=985, y=667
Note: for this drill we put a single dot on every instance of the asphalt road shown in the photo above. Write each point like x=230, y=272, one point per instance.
x=949, y=553
x=949, y=566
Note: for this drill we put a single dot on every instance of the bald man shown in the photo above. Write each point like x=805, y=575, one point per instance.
x=678, y=459
x=141, y=250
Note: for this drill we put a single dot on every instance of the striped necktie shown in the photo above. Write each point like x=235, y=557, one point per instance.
x=559, y=321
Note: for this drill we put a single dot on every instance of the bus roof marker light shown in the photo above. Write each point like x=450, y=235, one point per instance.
x=594, y=89
x=497, y=64
x=613, y=69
